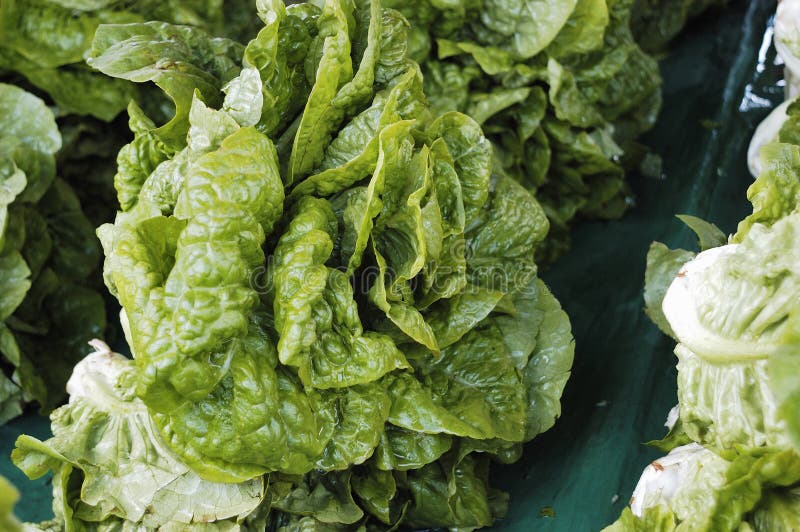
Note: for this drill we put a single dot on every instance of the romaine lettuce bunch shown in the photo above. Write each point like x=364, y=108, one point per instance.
x=43, y=47
x=656, y=22
x=694, y=488
x=48, y=307
x=734, y=309
x=774, y=127
x=43, y=44
x=46, y=42
x=106, y=443
x=329, y=295
x=561, y=89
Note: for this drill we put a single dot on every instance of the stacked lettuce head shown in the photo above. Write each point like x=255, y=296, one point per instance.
x=43, y=47
x=328, y=290
x=561, y=89
x=656, y=22
x=58, y=145
x=734, y=310
x=49, y=308
x=45, y=42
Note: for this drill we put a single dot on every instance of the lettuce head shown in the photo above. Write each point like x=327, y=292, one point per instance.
x=48, y=254
x=327, y=286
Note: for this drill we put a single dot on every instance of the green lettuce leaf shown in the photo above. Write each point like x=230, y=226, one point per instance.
x=334, y=79
x=315, y=314
x=778, y=509
x=375, y=490
x=179, y=59
x=708, y=235
x=734, y=300
x=451, y=492
x=663, y=264
x=11, y=399
x=530, y=25
x=402, y=449
x=326, y=498
x=776, y=192
x=656, y=22
x=48, y=256
x=137, y=160
x=549, y=355
x=106, y=444
x=692, y=488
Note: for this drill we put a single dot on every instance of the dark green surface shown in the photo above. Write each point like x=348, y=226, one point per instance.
x=623, y=381
x=622, y=361
x=37, y=495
